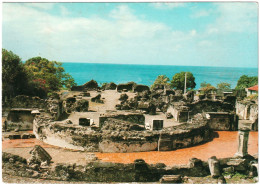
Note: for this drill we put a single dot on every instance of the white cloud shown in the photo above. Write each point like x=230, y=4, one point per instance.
x=235, y=17
x=201, y=13
x=64, y=11
x=43, y=6
x=121, y=37
x=91, y=39
x=164, y=6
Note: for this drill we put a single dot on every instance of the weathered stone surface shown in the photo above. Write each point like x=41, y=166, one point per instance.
x=222, y=121
x=128, y=86
x=39, y=155
x=123, y=97
x=97, y=99
x=109, y=86
x=81, y=106
x=243, y=135
x=90, y=85
x=221, y=180
x=229, y=170
x=214, y=167
x=141, y=88
x=167, y=179
x=238, y=164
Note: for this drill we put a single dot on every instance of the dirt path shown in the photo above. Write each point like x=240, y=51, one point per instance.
x=223, y=146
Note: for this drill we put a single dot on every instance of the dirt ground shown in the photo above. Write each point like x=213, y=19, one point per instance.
x=225, y=145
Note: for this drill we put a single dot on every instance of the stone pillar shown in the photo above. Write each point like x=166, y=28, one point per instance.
x=243, y=135
x=214, y=167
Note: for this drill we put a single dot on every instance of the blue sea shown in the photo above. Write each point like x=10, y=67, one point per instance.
x=146, y=74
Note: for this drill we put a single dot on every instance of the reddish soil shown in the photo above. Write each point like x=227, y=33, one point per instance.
x=24, y=143
x=223, y=146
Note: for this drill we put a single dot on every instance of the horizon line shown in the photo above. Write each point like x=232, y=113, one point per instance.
x=159, y=65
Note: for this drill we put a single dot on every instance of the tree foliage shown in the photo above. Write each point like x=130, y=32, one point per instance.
x=48, y=75
x=178, y=81
x=246, y=81
x=14, y=78
x=36, y=77
x=161, y=80
x=224, y=86
x=207, y=87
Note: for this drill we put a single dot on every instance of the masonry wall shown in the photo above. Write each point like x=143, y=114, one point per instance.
x=118, y=139
x=223, y=121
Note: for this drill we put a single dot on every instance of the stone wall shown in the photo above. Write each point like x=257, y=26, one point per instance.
x=127, y=116
x=141, y=88
x=128, y=86
x=247, y=110
x=222, y=121
x=23, y=101
x=105, y=172
x=210, y=106
x=183, y=136
x=119, y=136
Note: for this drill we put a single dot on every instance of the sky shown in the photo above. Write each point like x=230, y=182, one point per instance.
x=186, y=34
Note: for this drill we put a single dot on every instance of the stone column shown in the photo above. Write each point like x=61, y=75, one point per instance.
x=243, y=134
x=214, y=167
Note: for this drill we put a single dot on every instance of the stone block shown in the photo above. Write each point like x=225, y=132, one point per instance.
x=214, y=167
x=171, y=179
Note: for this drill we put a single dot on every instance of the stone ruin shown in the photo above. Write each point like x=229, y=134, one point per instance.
x=125, y=129
x=39, y=156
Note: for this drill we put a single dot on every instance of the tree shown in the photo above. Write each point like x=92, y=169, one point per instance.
x=14, y=78
x=161, y=80
x=206, y=87
x=178, y=81
x=224, y=86
x=48, y=75
x=246, y=81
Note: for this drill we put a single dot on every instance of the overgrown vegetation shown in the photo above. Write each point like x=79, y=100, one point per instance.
x=36, y=77
x=224, y=86
x=207, y=87
x=161, y=80
x=246, y=81
x=178, y=81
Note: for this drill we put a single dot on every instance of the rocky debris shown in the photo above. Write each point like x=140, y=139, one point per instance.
x=222, y=180
x=39, y=156
x=158, y=87
x=53, y=107
x=97, y=99
x=120, y=125
x=123, y=97
x=66, y=121
x=141, y=88
x=14, y=136
x=109, y=86
x=229, y=170
x=68, y=104
x=128, y=86
x=134, y=117
x=91, y=157
x=214, y=167
x=90, y=85
x=23, y=101
x=169, y=115
x=239, y=164
x=81, y=105
x=167, y=179
x=85, y=94
x=147, y=107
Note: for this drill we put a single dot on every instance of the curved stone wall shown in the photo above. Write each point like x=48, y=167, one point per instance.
x=122, y=136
